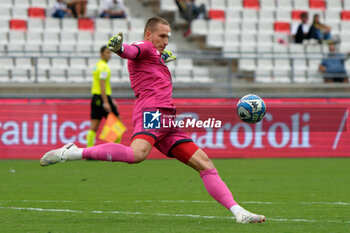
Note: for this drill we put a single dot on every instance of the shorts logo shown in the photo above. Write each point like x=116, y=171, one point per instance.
x=151, y=120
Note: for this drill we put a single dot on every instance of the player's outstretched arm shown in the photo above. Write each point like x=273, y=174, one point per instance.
x=115, y=44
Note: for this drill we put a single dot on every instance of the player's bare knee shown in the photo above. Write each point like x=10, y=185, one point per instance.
x=209, y=162
x=141, y=149
x=206, y=163
x=140, y=155
x=200, y=161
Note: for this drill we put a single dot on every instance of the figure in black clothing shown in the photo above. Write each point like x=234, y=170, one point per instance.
x=301, y=32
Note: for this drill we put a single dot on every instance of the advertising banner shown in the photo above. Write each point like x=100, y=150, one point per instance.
x=290, y=128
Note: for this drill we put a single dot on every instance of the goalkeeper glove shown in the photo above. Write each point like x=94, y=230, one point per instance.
x=115, y=44
x=168, y=56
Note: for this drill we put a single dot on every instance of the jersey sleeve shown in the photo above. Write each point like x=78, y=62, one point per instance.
x=136, y=50
x=103, y=73
x=144, y=47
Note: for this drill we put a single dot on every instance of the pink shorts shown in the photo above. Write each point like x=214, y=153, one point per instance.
x=165, y=139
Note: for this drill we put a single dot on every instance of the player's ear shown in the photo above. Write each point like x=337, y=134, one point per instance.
x=148, y=34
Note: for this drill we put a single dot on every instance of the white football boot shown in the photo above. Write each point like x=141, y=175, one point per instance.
x=57, y=155
x=245, y=216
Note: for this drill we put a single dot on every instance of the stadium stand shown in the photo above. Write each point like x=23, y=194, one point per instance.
x=27, y=29
x=256, y=27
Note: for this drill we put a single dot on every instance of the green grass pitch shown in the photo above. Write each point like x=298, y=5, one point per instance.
x=296, y=195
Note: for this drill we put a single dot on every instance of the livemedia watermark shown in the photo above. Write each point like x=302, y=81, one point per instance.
x=157, y=119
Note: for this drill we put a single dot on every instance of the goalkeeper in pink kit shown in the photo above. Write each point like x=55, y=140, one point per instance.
x=152, y=83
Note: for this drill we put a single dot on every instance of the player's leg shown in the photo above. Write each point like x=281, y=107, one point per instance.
x=97, y=112
x=190, y=154
x=141, y=146
x=137, y=152
x=91, y=134
x=141, y=149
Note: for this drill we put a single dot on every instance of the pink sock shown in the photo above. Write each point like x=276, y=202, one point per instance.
x=217, y=188
x=110, y=152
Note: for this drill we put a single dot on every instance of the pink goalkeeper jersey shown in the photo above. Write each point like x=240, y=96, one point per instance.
x=149, y=76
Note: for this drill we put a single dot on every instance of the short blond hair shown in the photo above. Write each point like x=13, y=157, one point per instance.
x=153, y=22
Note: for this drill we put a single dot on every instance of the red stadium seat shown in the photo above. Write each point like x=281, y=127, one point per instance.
x=345, y=15
x=317, y=4
x=217, y=15
x=36, y=12
x=296, y=14
x=18, y=24
x=253, y=4
x=282, y=27
x=86, y=25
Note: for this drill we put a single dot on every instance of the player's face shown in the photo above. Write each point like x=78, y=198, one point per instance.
x=160, y=37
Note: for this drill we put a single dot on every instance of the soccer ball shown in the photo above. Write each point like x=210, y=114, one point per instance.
x=251, y=109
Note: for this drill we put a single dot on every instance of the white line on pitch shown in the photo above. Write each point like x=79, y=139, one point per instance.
x=324, y=203
x=48, y=201
x=247, y=202
x=197, y=201
x=184, y=201
x=163, y=214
